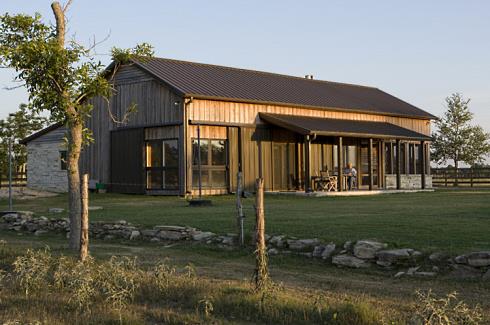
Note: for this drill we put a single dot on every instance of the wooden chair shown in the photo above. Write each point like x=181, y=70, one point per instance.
x=325, y=182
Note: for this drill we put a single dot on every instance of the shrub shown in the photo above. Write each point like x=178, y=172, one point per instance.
x=117, y=279
x=33, y=270
x=433, y=310
x=82, y=284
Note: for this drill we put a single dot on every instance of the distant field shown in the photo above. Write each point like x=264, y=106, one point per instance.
x=445, y=220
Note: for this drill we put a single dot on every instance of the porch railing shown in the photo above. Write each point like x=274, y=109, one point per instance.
x=462, y=177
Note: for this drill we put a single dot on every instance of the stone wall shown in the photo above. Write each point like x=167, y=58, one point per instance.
x=44, y=166
x=408, y=182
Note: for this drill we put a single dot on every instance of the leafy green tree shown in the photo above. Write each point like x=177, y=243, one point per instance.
x=18, y=126
x=456, y=138
x=59, y=77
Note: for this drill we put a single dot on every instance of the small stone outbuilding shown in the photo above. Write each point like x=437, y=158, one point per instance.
x=46, y=159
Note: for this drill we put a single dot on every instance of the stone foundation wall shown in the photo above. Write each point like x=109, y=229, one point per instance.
x=408, y=182
x=44, y=166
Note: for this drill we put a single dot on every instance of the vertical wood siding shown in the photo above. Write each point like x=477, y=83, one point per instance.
x=246, y=113
x=156, y=105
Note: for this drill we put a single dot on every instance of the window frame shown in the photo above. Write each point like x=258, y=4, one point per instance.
x=164, y=167
x=208, y=167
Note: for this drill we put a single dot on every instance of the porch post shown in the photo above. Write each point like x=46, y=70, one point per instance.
x=398, y=165
x=423, y=163
x=370, y=164
x=307, y=164
x=340, y=167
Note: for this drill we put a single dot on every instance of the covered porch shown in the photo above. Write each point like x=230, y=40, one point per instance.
x=385, y=156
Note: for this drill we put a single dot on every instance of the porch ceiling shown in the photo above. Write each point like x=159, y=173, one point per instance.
x=307, y=125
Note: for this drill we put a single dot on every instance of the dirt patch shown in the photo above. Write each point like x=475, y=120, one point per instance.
x=24, y=193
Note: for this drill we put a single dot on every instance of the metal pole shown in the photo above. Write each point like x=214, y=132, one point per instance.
x=199, y=157
x=10, y=174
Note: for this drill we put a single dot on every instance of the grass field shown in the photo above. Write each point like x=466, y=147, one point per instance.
x=446, y=220
x=451, y=220
x=391, y=300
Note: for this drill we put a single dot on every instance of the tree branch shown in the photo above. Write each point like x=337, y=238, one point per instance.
x=59, y=14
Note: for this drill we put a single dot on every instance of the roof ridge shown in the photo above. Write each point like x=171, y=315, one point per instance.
x=263, y=72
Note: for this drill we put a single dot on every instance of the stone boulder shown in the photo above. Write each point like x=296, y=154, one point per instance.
x=317, y=251
x=479, y=259
x=56, y=210
x=278, y=241
x=302, y=244
x=349, y=261
x=202, y=235
x=135, y=234
x=396, y=256
x=438, y=257
x=171, y=235
x=328, y=251
x=366, y=249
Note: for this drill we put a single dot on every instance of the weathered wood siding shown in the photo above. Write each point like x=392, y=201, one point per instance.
x=245, y=113
x=156, y=104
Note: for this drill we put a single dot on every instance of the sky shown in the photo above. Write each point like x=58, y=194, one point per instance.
x=420, y=51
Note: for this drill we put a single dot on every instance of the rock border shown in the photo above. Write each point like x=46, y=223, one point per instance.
x=360, y=254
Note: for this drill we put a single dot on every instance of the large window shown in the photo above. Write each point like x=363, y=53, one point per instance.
x=162, y=165
x=213, y=163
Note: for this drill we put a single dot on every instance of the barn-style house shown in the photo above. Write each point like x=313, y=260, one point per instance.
x=287, y=130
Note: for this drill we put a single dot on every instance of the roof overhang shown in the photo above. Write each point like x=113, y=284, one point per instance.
x=307, y=125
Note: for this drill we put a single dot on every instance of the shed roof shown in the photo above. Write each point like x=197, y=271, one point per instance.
x=307, y=125
x=41, y=132
x=233, y=84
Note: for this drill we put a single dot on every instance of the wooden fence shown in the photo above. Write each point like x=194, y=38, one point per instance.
x=466, y=177
x=18, y=180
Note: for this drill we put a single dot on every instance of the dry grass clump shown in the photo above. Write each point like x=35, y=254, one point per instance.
x=60, y=289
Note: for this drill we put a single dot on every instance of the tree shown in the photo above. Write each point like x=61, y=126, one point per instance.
x=456, y=138
x=18, y=126
x=60, y=77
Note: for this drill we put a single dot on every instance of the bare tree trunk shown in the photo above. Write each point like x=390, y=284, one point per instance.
x=84, y=223
x=75, y=134
x=74, y=195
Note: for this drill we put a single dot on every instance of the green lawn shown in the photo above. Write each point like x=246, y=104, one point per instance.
x=453, y=221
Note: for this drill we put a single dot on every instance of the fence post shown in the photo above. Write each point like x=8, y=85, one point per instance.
x=84, y=217
x=261, y=269
x=240, y=216
x=471, y=177
x=445, y=177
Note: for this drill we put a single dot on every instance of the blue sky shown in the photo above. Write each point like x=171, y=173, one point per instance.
x=420, y=51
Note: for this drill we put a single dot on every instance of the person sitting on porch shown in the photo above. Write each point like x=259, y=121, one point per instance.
x=351, y=174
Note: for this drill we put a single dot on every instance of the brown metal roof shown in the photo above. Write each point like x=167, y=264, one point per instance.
x=307, y=125
x=225, y=83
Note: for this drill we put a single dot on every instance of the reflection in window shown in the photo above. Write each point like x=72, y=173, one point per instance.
x=162, y=165
x=63, y=159
x=213, y=163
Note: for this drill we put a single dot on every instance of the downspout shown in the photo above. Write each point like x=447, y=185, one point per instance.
x=187, y=101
